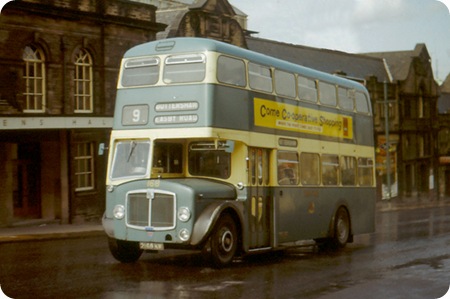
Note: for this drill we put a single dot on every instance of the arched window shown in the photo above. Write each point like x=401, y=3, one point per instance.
x=34, y=79
x=83, y=93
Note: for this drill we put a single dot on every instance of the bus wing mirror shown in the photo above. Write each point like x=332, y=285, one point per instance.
x=229, y=146
x=101, y=149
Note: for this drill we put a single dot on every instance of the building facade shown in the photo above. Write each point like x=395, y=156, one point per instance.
x=58, y=72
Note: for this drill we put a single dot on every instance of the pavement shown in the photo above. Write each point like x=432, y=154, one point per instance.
x=41, y=229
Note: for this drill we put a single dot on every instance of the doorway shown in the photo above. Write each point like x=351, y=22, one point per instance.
x=27, y=182
x=259, y=198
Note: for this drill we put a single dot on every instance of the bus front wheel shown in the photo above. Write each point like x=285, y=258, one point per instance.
x=124, y=251
x=224, y=241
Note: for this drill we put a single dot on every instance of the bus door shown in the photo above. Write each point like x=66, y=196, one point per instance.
x=259, y=198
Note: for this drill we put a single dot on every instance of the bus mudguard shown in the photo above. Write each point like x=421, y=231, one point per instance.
x=209, y=216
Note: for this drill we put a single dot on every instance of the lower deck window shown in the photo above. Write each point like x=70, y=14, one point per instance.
x=287, y=168
x=206, y=160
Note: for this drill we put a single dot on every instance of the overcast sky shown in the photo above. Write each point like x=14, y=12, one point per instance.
x=356, y=26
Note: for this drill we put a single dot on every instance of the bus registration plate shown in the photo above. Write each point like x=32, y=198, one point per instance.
x=151, y=246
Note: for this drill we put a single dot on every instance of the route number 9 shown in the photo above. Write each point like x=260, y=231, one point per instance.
x=135, y=115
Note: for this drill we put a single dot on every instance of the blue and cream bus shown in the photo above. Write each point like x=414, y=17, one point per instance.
x=222, y=149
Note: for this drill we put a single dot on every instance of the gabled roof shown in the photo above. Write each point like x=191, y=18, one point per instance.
x=445, y=87
x=173, y=14
x=351, y=65
x=400, y=61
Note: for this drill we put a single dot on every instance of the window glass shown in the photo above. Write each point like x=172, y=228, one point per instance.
x=310, y=169
x=285, y=84
x=83, y=82
x=330, y=168
x=287, y=168
x=362, y=104
x=365, y=171
x=231, y=71
x=252, y=165
x=260, y=77
x=185, y=68
x=346, y=98
x=348, y=171
x=140, y=71
x=327, y=94
x=130, y=159
x=84, y=166
x=307, y=89
x=34, y=79
x=167, y=158
x=206, y=160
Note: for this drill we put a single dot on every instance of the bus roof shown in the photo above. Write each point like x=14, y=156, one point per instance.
x=193, y=44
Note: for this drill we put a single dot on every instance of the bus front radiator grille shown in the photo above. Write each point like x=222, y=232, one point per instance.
x=157, y=212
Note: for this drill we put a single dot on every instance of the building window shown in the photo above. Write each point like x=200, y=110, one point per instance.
x=83, y=82
x=34, y=79
x=84, y=166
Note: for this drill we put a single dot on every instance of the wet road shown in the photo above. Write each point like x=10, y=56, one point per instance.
x=408, y=257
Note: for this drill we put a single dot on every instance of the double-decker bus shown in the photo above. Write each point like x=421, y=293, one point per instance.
x=218, y=148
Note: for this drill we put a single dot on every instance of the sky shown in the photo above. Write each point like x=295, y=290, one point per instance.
x=356, y=26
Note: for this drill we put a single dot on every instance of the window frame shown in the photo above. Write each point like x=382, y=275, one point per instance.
x=285, y=84
x=240, y=69
x=254, y=73
x=83, y=82
x=285, y=163
x=35, y=79
x=86, y=175
x=306, y=172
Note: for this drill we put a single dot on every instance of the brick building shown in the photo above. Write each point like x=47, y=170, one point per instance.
x=58, y=68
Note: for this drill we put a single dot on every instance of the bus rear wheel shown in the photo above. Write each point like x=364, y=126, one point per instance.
x=341, y=228
x=224, y=241
x=124, y=251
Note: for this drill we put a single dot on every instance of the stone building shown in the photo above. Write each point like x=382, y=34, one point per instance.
x=215, y=19
x=444, y=137
x=58, y=68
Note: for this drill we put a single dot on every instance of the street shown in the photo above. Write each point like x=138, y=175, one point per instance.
x=407, y=257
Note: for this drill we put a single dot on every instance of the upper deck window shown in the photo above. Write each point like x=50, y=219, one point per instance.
x=346, y=98
x=231, y=71
x=140, y=71
x=327, y=94
x=260, y=77
x=185, y=68
x=285, y=84
x=307, y=89
x=362, y=104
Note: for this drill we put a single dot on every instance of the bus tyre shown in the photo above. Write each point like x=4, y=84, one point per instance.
x=124, y=251
x=224, y=241
x=341, y=228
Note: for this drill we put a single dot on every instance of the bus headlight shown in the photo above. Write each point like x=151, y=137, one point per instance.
x=184, y=214
x=119, y=212
x=184, y=234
